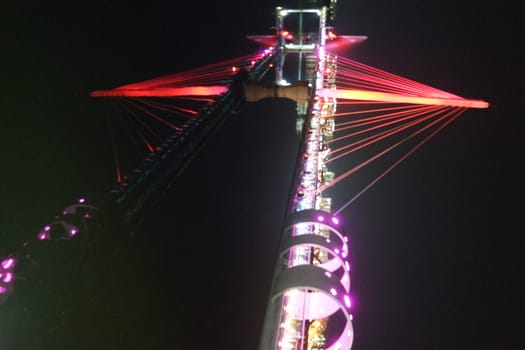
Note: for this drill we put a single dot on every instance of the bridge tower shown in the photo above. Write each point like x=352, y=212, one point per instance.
x=309, y=304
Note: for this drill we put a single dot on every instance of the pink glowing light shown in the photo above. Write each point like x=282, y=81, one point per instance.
x=333, y=291
x=320, y=218
x=328, y=274
x=42, y=236
x=47, y=228
x=162, y=92
x=73, y=231
x=8, y=263
x=8, y=277
x=366, y=95
x=81, y=200
x=335, y=221
x=2, y=290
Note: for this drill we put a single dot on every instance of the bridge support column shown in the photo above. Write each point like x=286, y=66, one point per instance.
x=311, y=286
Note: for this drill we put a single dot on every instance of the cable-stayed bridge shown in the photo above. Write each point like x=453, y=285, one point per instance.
x=343, y=106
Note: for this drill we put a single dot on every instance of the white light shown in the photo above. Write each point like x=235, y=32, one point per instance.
x=347, y=301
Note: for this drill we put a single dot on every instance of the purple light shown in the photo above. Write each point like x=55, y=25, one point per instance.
x=336, y=251
x=8, y=277
x=328, y=274
x=2, y=290
x=347, y=265
x=347, y=301
x=73, y=231
x=320, y=218
x=335, y=220
x=8, y=264
x=47, y=228
x=42, y=236
x=81, y=200
x=333, y=291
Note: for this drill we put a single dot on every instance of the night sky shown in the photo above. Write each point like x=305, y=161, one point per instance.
x=436, y=250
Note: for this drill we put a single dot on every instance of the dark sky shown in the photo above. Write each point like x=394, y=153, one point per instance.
x=436, y=244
